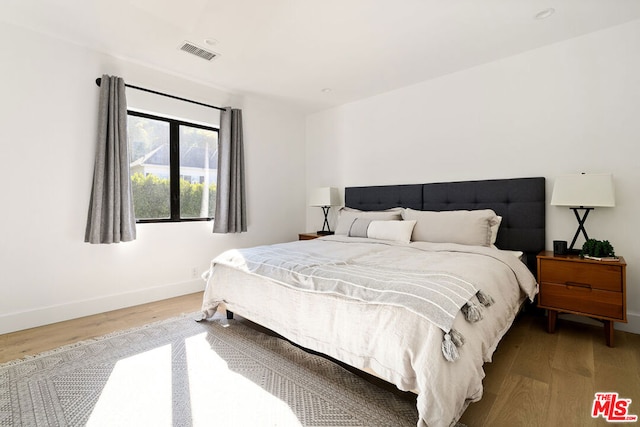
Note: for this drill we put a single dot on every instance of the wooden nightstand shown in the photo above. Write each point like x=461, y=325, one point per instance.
x=308, y=236
x=570, y=284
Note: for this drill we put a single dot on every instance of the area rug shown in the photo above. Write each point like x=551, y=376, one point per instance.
x=182, y=373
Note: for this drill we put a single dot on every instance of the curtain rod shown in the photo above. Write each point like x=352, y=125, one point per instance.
x=99, y=79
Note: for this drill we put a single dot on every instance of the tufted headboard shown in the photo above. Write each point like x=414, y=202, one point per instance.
x=519, y=201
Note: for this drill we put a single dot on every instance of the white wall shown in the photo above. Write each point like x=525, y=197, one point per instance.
x=48, y=110
x=567, y=108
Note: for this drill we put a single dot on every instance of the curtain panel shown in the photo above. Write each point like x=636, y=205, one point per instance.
x=230, y=214
x=111, y=218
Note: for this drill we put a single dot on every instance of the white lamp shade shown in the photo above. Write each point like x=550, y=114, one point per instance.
x=324, y=196
x=584, y=190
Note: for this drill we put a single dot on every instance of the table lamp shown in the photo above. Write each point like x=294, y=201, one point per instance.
x=325, y=197
x=583, y=192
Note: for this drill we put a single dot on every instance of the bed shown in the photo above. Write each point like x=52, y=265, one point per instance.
x=412, y=287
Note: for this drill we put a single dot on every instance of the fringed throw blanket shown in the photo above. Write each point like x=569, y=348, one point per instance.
x=437, y=296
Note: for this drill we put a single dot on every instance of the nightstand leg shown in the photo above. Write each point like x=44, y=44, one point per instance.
x=608, y=332
x=552, y=316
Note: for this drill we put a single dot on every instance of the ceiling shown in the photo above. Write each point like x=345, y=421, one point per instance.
x=293, y=49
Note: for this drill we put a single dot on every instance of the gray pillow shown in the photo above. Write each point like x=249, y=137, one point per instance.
x=463, y=227
x=346, y=216
x=359, y=227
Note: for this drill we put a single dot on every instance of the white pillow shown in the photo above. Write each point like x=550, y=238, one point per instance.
x=463, y=227
x=346, y=216
x=517, y=254
x=495, y=225
x=397, y=231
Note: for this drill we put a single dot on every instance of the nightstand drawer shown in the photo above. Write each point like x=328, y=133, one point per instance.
x=582, y=300
x=598, y=276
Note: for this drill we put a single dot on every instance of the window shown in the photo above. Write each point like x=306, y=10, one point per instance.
x=173, y=168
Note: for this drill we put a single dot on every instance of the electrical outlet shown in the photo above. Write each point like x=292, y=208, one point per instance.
x=194, y=272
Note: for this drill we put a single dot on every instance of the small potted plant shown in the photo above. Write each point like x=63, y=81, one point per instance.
x=599, y=250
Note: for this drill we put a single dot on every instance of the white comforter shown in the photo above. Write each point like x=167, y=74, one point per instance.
x=395, y=343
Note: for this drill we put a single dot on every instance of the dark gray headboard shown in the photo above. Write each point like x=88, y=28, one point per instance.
x=519, y=201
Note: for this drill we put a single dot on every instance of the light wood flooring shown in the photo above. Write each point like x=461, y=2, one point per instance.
x=44, y=338
x=535, y=379
x=542, y=379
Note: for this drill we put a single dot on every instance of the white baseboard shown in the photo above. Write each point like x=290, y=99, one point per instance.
x=46, y=315
x=632, y=325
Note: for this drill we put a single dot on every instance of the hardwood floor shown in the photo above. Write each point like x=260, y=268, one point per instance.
x=535, y=379
x=541, y=379
x=37, y=340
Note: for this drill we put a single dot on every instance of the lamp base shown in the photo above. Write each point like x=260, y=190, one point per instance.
x=581, y=222
x=324, y=233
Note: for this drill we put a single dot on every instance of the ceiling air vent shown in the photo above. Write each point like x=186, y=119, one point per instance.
x=198, y=51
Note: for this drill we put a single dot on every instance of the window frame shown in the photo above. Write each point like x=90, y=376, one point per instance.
x=174, y=166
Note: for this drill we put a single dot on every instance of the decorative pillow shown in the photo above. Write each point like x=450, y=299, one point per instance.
x=463, y=227
x=346, y=216
x=359, y=227
x=398, y=231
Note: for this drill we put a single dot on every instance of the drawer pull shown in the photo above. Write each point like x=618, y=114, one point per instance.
x=578, y=285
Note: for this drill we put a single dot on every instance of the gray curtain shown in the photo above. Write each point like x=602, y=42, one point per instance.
x=111, y=218
x=231, y=215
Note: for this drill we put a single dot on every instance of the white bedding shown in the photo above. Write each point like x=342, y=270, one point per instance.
x=395, y=343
